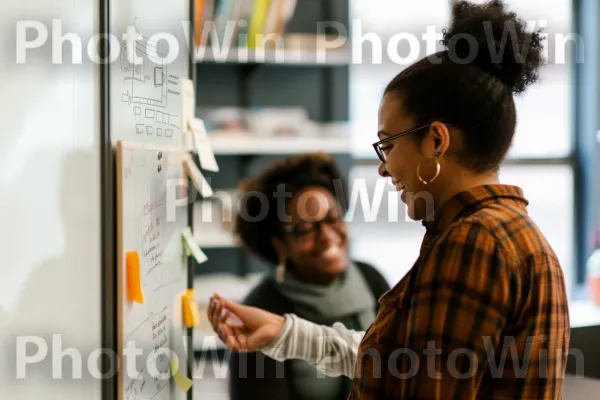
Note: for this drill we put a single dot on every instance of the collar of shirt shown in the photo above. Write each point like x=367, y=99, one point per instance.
x=468, y=201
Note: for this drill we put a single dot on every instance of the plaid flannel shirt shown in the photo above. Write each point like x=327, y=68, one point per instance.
x=481, y=315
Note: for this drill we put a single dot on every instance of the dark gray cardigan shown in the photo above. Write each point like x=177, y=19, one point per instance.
x=273, y=381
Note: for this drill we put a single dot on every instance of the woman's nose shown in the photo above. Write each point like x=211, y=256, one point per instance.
x=382, y=171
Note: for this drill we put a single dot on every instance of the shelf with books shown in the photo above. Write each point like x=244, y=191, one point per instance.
x=241, y=22
x=264, y=32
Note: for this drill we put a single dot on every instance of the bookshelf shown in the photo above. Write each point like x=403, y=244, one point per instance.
x=250, y=79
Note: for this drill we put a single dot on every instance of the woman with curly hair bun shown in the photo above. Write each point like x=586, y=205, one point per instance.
x=292, y=218
x=483, y=312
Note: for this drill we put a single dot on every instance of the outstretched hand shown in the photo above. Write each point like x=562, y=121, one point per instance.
x=243, y=328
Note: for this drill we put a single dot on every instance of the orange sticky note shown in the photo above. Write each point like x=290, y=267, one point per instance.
x=134, y=280
x=191, y=315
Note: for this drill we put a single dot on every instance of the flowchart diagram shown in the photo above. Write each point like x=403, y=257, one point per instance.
x=151, y=92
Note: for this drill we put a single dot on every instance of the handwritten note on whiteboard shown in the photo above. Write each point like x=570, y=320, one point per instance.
x=154, y=327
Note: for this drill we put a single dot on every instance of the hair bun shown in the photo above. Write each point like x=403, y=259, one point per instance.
x=497, y=41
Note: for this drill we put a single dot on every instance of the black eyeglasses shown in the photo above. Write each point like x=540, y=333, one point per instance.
x=309, y=229
x=380, y=149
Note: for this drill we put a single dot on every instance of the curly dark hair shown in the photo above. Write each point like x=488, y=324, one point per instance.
x=490, y=56
x=257, y=220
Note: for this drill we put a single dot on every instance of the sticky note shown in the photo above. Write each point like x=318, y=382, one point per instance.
x=135, y=292
x=188, y=103
x=183, y=382
x=170, y=250
x=192, y=246
x=191, y=315
x=198, y=179
x=185, y=247
x=203, y=146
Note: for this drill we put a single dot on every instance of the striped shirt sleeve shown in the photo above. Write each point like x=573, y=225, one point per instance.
x=330, y=349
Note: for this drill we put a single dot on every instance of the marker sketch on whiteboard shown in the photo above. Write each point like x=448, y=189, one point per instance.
x=148, y=89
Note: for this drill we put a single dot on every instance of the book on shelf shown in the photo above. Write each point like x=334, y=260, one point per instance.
x=226, y=11
x=257, y=22
x=240, y=23
x=203, y=11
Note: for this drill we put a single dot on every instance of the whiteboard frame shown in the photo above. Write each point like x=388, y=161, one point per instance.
x=109, y=304
x=191, y=266
x=107, y=216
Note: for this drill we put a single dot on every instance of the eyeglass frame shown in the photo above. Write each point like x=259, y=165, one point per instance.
x=395, y=136
x=316, y=226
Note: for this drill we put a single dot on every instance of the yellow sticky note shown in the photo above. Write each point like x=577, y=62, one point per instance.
x=191, y=315
x=183, y=382
x=135, y=292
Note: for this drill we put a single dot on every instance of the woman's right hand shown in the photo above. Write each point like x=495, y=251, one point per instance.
x=243, y=328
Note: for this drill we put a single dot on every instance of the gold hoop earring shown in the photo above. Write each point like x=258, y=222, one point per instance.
x=280, y=272
x=438, y=167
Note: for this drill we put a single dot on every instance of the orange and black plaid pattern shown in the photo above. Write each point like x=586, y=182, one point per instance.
x=481, y=315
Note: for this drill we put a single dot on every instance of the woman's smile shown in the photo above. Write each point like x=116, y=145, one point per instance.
x=400, y=187
x=334, y=252
x=398, y=184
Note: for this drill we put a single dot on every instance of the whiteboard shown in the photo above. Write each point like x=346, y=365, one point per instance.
x=145, y=92
x=145, y=109
x=145, y=223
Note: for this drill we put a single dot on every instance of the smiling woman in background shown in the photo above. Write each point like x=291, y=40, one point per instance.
x=302, y=231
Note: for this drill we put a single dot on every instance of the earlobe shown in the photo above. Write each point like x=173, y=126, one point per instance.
x=279, y=248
